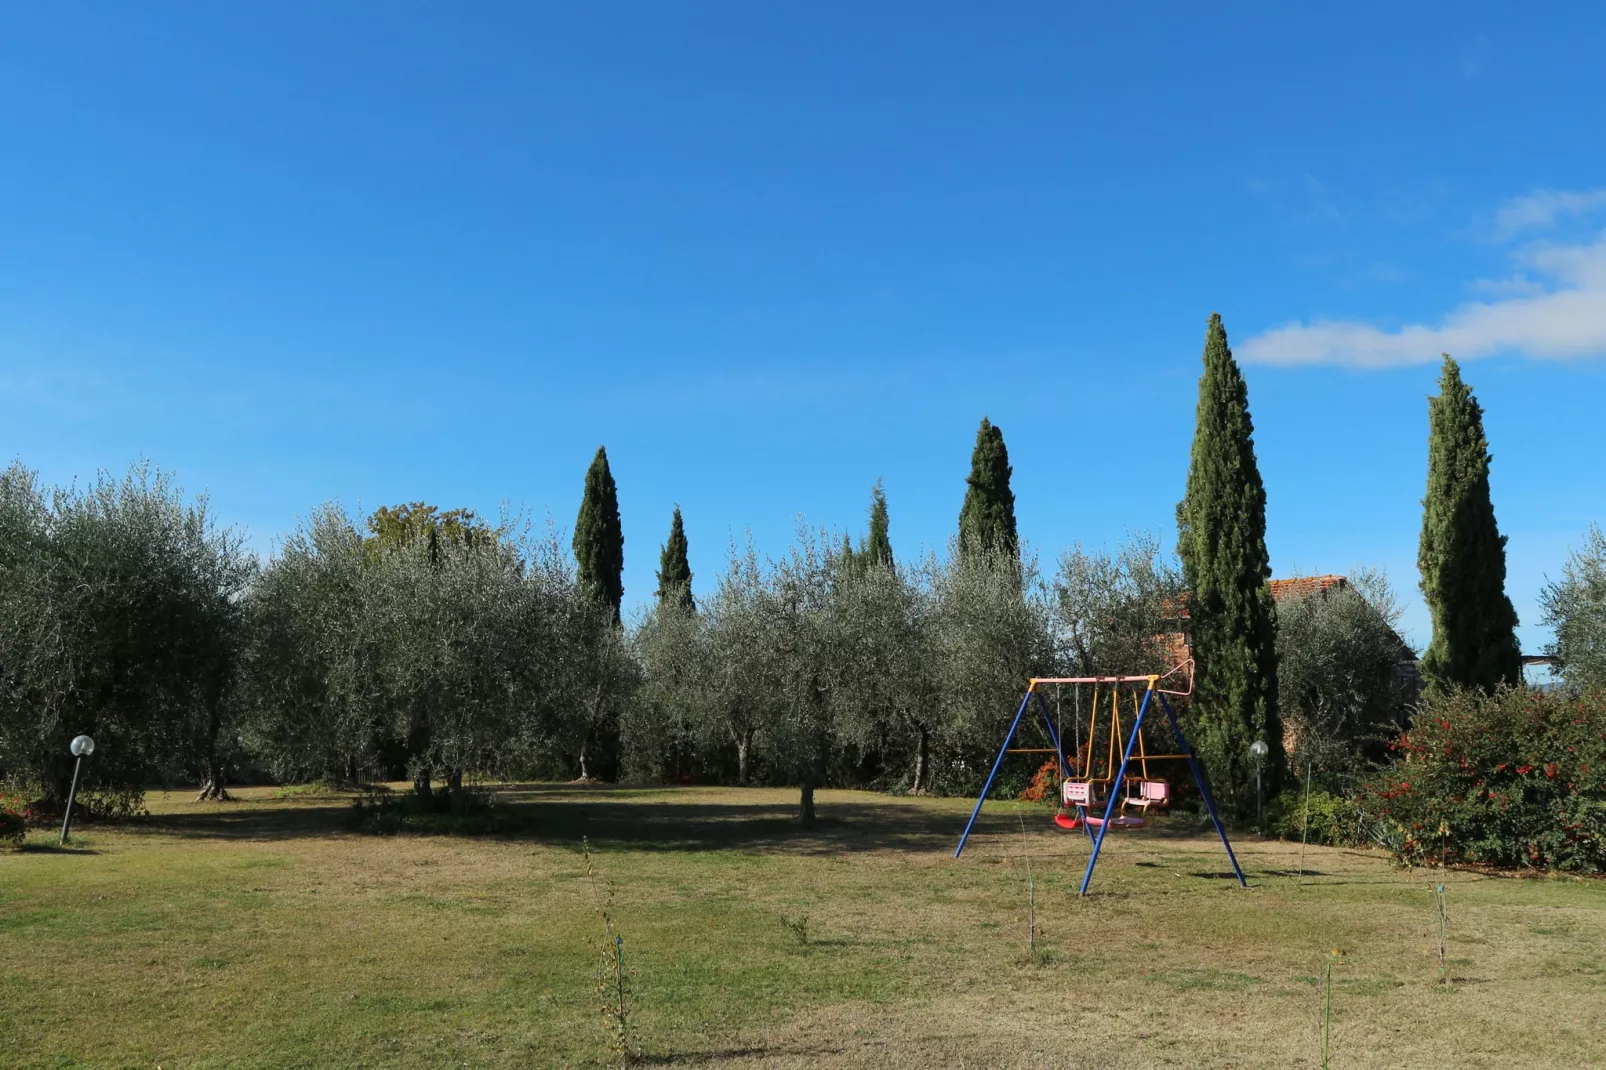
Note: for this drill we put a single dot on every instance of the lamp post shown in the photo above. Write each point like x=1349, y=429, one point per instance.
x=82, y=747
x=1258, y=751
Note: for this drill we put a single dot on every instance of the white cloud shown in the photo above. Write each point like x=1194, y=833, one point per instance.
x=1565, y=318
x=1542, y=208
x=1515, y=286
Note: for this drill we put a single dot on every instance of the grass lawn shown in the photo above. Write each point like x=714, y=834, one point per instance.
x=260, y=933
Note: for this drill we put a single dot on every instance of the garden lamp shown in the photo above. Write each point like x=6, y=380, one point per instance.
x=1258, y=751
x=82, y=747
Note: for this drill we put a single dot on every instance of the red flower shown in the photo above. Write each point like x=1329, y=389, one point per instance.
x=1550, y=770
x=1524, y=770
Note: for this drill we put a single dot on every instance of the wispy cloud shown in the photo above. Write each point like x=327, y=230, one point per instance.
x=1556, y=309
x=1321, y=203
x=1542, y=209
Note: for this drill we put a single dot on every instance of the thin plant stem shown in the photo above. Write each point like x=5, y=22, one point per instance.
x=620, y=1015
x=1304, y=831
x=1444, y=920
x=1327, y=1015
x=1031, y=892
x=1333, y=958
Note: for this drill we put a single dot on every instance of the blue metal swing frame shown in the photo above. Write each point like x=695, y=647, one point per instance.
x=1120, y=778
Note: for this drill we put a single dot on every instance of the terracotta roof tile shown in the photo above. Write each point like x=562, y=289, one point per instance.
x=1303, y=585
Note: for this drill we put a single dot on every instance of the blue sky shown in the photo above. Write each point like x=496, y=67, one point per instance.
x=769, y=253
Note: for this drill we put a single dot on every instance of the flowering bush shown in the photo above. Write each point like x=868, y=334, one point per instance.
x=14, y=815
x=1514, y=779
x=1045, y=785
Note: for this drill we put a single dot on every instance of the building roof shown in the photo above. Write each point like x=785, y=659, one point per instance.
x=1296, y=587
x=1303, y=585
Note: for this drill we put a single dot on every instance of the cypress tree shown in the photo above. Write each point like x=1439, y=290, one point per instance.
x=1221, y=528
x=1462, y=555
x=878, y=546
x=987, y=519
x=599, y=539
x=674, y=569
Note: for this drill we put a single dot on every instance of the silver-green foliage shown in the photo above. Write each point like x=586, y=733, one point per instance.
x=1575, y=608
x=458, y=657
x=802, y=661
x=1114, y=611
x=118, y=618
x=990, y=631
x=1339, y=666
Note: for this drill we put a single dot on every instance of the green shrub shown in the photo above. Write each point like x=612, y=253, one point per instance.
x=473, y=813
x=1515, y=779
x=14, y=815
x=1333, y=819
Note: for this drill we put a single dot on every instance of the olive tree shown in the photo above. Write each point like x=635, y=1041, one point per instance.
x=117, y=619
x=1114, y=612
x=1340, y=661
x=313, y=672
x=989, y=632
x=735, y=694
x=659, y=730
x=1575, y=608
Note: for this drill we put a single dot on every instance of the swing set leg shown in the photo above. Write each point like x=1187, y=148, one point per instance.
x=1198, y=778
x=999, y=761
x=1115, y=787
x=1009, y=737
x=1204, y=790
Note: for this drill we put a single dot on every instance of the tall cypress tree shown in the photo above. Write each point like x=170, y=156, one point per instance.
x=599, y=539
x=1221, y=528
x=1462, y=555
x=878, y=545
x=674, y=569
x=987, y=519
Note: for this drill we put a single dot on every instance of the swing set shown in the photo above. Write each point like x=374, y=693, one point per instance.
x=1084, y=787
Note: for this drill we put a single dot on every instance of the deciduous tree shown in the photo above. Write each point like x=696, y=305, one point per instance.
x=1575, y=609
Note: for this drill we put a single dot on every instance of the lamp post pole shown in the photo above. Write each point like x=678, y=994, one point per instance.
x=1258, y=751
x=82, y=747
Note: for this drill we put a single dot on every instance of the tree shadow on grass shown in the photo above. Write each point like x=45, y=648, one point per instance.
x=228, y=821
x=631, y=818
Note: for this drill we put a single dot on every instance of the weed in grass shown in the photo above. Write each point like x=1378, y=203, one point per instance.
x=613, y=981
x=1304, y=828
x=1444, y=922
x=1031, y=895
x=1334, y=957
x=798, y=927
